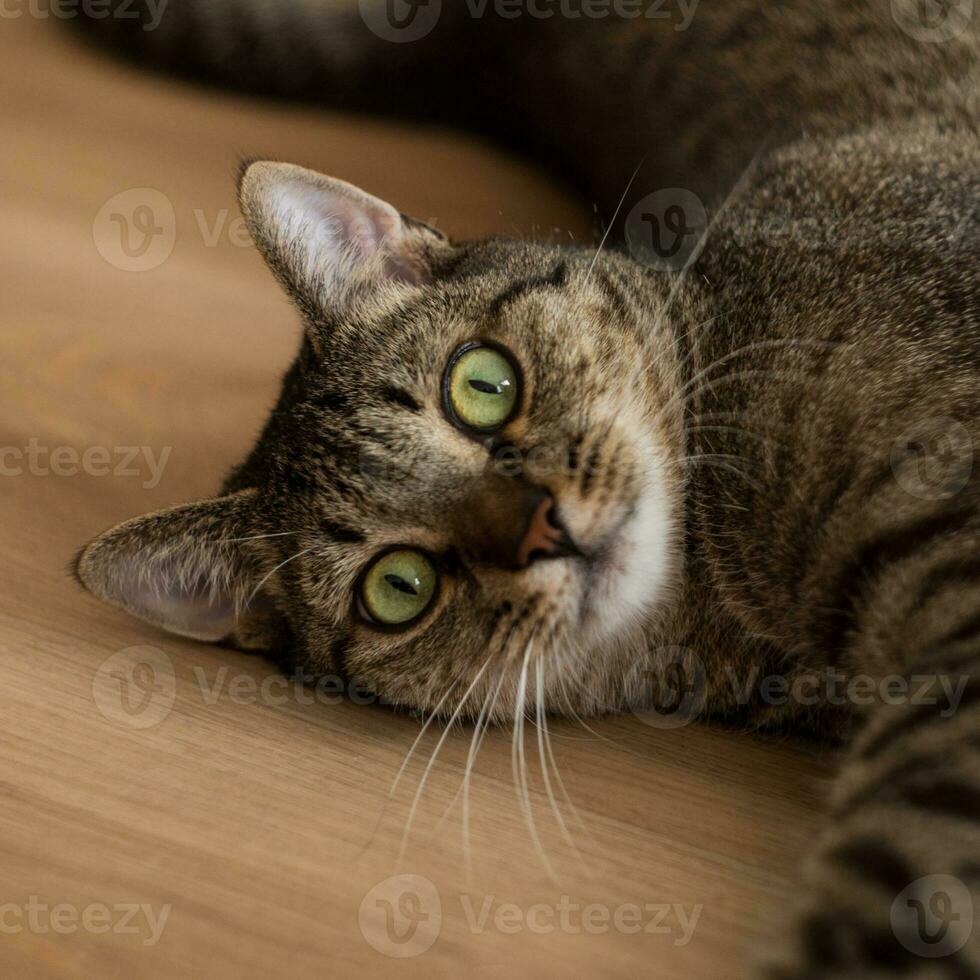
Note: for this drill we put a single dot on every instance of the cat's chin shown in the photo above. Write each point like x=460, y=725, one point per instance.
x=630, y=574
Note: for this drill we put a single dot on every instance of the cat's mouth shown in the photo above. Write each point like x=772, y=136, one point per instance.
x=604, y=564
x=608, y=557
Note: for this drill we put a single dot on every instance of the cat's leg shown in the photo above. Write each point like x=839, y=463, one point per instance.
x=894, y=887
x=845, y=522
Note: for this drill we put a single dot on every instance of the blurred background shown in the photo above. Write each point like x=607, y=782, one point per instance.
x=170, y=809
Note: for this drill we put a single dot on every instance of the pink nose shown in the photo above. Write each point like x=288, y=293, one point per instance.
x=542, y=538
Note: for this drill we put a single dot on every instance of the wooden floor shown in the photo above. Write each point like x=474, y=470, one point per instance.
x=161, y=813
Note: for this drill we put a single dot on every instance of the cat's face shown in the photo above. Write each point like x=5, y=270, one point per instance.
x=470, y=487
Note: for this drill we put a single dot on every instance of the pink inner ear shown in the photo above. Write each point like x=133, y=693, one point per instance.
x=366, y=228
x=332, y=221
x=152, y=589
x=195, y=616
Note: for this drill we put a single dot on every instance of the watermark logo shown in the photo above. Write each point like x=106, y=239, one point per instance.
x=934, y=460
x=401, y=916
x=674, y=689
x=933, y=21
x=933, y=916
x=400, y=21
x=135, y=687
x=666, y=229
x=136, y=230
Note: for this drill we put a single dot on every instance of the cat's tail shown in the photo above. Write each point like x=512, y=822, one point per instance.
x=414, y=57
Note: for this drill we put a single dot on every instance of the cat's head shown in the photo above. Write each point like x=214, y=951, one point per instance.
x=471, y=477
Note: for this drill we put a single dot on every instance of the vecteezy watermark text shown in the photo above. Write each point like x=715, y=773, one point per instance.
x=137, y=688
x=279, y=689
x=402, y=21
x=594, y=918
x=403, y=916
x=64, y=918
x=674, y=689
x=834, y=687
x=119, y=461
x=679, y=12
x=148, y=12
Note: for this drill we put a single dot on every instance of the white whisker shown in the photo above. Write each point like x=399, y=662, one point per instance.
x=432, y=759
x=265, y=578
x=256, y=537
x=751, y=348
x=475, y=740
x=519, y=763
x=408, y=755
x=612, y=220
x=470, y=759
x=542, y=727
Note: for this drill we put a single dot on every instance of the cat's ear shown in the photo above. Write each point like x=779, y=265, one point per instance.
x=185, y=569
x=329, y=242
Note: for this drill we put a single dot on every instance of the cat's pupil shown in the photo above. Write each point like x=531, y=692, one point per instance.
x=486, y=387
x=397, y=582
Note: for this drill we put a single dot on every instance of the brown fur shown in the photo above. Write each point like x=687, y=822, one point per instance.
x=792, y=395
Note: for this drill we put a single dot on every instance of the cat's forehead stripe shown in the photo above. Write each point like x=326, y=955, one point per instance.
x=557, y=279
x=341, y=532
x=399, y=396
x=614, y=294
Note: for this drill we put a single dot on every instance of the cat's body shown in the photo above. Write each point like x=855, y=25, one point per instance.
x=595, y=96
x=768, y=458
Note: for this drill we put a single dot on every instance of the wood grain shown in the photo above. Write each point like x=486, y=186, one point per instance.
x=255, y=817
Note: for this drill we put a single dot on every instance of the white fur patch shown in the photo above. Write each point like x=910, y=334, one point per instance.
x=639, y=568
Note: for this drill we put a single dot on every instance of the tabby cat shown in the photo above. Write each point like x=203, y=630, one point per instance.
x=503, y=473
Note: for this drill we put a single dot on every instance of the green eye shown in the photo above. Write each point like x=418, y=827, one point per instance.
x=398, y=587
x=481, y=388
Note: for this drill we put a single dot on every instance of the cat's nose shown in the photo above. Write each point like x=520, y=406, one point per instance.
x=510, y=524
x=544, y=537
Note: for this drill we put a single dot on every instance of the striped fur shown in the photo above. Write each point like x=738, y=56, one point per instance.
x=808, y=393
